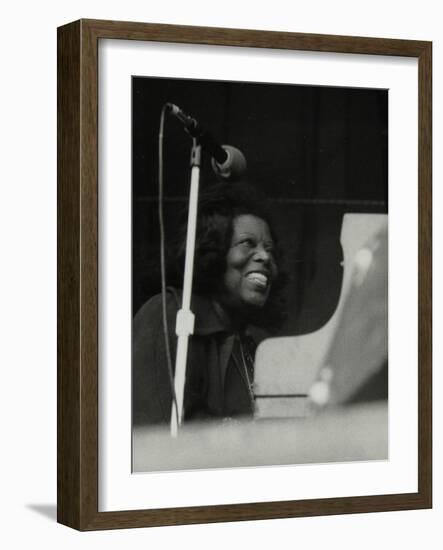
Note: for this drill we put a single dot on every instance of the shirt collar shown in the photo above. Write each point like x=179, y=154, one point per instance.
x=208, y=321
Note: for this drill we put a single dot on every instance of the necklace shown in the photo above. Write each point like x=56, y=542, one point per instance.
x=246, y=368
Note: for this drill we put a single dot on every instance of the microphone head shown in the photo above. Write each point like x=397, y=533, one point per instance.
x=233, y=168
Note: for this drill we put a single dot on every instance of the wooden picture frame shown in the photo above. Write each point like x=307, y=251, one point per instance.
x=77, y=456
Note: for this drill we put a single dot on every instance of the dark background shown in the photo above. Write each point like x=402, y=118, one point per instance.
x=316, y=152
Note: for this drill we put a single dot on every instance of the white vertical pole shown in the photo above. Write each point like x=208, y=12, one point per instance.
x=185, y=317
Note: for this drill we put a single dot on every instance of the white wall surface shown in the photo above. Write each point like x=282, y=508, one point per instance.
x=28, y=274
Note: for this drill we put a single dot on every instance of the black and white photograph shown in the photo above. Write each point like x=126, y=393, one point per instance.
x=259, y=274
x=220, y=288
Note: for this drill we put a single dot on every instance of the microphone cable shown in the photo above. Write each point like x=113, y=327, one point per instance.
x=162, y=258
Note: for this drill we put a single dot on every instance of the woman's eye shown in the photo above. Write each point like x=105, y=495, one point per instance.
x=248, y=242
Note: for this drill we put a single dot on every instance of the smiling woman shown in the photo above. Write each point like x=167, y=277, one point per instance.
x=235, y=299
x=250, y=264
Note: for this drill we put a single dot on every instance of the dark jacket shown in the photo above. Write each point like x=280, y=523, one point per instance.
x=213, y=388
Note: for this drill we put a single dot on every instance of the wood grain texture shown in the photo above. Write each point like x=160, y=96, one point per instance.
x=77, y=171
x=254, y=38
x=89, y=275
x=68, y=275
x=425, y=273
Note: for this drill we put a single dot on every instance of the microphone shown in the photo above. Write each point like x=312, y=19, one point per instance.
x=228, y=162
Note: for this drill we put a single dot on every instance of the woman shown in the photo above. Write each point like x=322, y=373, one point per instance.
x=236, y=284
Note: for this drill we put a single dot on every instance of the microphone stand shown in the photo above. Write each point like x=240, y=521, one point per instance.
x=185, y=318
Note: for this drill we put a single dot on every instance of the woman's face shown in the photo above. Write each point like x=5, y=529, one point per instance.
x=250, y=264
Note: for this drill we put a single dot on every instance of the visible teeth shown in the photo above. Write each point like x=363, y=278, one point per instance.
x=258, y=278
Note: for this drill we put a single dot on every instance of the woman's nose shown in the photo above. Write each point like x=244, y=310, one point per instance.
x=262, y=255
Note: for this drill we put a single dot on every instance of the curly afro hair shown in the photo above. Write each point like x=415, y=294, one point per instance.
x=218, y=206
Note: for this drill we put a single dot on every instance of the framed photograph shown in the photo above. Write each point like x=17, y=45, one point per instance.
x=244, y=275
